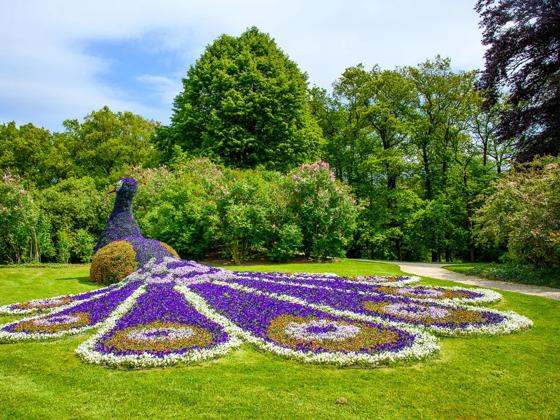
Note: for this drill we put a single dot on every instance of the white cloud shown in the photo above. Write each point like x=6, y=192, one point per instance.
x=164, y=87
x=47, y=75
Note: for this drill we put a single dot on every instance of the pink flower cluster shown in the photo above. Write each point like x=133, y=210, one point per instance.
x=316, y=167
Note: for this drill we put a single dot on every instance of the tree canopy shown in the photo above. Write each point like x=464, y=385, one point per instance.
x=244, y=103
x=102, y=146
x=523, y=56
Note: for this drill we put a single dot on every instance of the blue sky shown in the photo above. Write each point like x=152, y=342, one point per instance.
x=62, y=59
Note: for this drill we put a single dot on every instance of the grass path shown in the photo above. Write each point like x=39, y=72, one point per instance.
x=513, y=376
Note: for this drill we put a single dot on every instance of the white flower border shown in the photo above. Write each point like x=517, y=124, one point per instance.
x=332, y=277
x=424, y=344
x=488, y=296
x=513, y=321
x=87, y=351
x=373, y=279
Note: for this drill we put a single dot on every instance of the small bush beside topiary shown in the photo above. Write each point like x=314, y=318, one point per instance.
x=113, y=262
x=170, y=249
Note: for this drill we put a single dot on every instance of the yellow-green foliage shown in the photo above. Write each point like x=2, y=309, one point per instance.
x=170, y=249
x=113, y=262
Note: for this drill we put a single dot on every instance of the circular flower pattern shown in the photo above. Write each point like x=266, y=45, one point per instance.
x=158, y=338
x=321, y=335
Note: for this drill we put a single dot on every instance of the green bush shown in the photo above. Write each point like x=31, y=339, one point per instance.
x=246, y=212
x=63, y=246
x=83, y=245
x=24, y=227
x=202, y=209
x=179, y=207
x=288, y=240
x=78, y=212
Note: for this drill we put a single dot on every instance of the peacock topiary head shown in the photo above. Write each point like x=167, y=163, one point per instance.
x=125, y=188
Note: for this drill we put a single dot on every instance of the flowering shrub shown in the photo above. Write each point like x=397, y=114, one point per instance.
x=170, y=310
x=523, y=214
x=77, y=212
x=324, y=209
x=180, y=207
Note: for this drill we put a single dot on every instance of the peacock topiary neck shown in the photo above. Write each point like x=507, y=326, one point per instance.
x=121, y=223
x=123, y=204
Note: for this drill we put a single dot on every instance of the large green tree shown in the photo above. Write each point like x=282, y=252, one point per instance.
x=415, y=147
x=27, y=151
x=105, y=143
x=523, y=57
x=244, y=103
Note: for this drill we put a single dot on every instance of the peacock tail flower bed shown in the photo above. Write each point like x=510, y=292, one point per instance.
x=370, y=306
x=377, y=287
x=172, y=310
x=272, y=324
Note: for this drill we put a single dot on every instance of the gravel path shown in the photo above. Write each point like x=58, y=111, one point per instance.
x=437, y=272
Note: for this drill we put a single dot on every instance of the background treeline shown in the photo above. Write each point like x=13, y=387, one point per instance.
x=241, y=171
x=199, y=207
x=417, y=146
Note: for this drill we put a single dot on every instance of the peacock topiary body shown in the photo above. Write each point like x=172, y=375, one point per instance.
x=121, y=248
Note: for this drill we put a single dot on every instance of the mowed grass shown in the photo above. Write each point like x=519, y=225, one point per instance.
x=513, y=376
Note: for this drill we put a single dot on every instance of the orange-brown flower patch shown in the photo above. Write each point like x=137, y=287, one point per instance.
x=160, y=337
x=44, y=304
x=366, y=336
x=426, y=314
x=53, y=323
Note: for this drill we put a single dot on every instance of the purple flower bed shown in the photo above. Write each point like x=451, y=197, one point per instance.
x=147, y=249
x=255, y=313
x=90, y=313
x=344, y=283
x=54, y=302
x=349, y=300
x=169, y=319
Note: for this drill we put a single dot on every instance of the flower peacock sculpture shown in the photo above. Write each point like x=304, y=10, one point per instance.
x=169, y=310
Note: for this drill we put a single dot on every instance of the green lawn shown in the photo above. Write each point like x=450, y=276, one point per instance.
x=514, y=376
